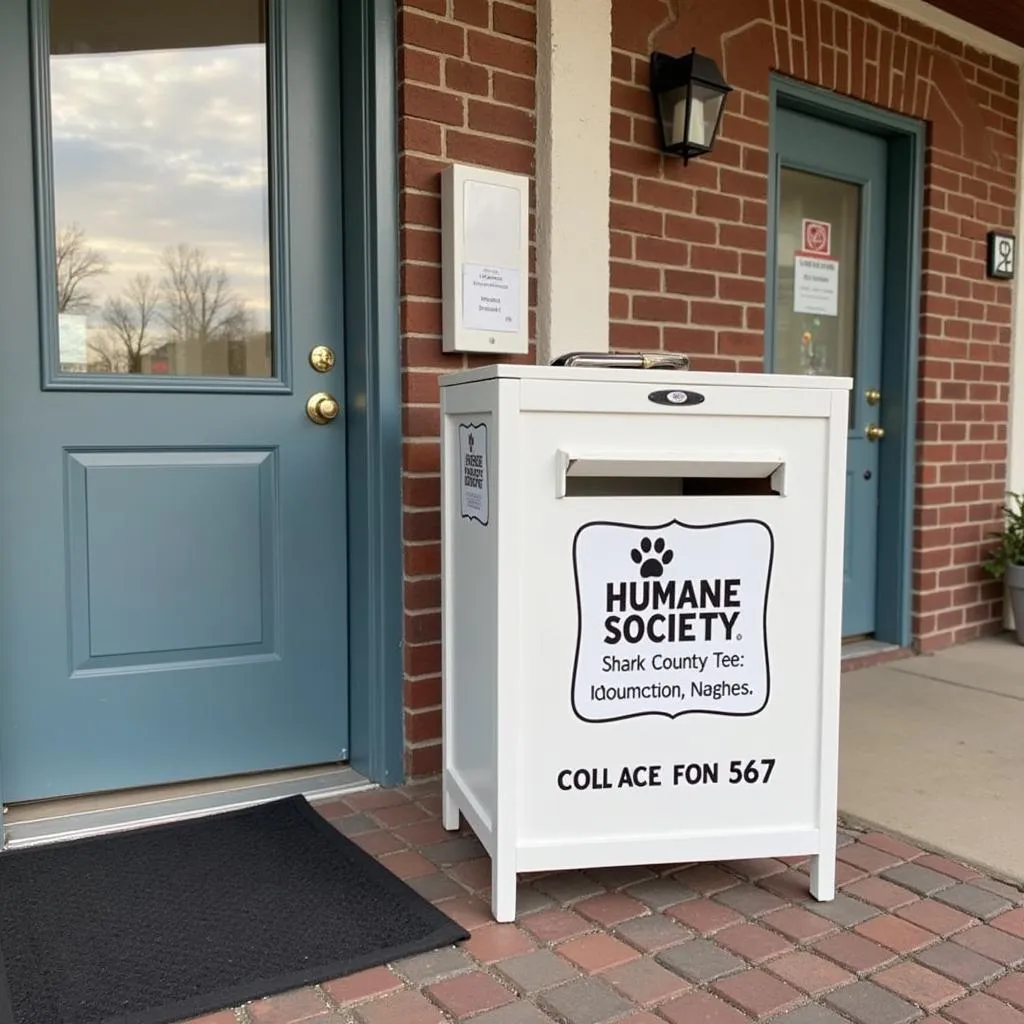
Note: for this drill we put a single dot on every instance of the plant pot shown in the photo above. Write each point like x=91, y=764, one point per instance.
x=1015, y=587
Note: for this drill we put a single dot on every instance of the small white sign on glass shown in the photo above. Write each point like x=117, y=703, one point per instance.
x=816, y=285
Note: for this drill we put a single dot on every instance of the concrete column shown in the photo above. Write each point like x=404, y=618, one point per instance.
x=574, y=76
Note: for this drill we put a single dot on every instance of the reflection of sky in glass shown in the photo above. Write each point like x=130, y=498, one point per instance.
x=155, y=148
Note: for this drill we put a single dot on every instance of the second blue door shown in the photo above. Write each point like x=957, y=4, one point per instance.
x=829, y=308
x=172, y=505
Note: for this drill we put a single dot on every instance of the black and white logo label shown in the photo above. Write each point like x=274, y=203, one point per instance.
x=672, y=619
x=676, y=396
x=473, y=482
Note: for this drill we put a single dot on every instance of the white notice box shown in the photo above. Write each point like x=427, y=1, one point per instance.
x=485, y=257
x=642, y=609
x=816, y=285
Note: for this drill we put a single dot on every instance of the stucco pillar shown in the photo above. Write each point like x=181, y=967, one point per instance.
x=574, y=69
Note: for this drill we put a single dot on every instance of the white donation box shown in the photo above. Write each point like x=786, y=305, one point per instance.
x=642, y=589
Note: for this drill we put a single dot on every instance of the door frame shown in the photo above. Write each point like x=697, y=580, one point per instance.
x=373, y=409
x=906, y=139
x=373, y=381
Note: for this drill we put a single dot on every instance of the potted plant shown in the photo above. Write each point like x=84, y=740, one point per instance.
x=1006, y=559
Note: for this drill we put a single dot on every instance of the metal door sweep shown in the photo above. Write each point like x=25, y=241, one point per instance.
x=624, y=360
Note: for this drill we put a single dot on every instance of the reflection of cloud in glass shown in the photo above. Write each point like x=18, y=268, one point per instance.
x=160, y=147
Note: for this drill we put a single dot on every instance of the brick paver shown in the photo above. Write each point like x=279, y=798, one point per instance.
x=910, y=934
x=919, y=985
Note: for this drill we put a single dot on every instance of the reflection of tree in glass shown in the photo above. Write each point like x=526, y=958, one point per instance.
x=192, y=321
x=77, y=264
x=199, y=305
x=128, y=319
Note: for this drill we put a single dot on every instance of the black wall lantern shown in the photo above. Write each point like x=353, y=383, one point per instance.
x=689, y=100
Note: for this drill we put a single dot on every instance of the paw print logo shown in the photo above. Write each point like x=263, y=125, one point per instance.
x=652, y=557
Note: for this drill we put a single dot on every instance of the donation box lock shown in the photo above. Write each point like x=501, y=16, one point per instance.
x=642, y=591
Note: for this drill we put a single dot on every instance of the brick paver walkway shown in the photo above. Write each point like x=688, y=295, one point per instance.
x=911, y=936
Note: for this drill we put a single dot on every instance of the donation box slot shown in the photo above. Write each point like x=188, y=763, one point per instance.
x=640, y=475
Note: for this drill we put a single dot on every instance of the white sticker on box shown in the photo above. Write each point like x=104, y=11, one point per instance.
x=672, y=619
x=473, y=481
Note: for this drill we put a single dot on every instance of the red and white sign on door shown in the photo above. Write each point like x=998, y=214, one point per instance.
x=817, y=237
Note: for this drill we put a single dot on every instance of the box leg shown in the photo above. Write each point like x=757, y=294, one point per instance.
x=503, y=892
x=823, y=875
x=449, y=809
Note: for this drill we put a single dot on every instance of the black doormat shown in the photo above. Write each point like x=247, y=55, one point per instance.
x=174, y=921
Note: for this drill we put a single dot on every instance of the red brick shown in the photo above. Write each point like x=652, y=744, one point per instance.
x=880, y=893
x=497, y=119
x=490, y=945
x=808, y=972
x=991, y=942
x=1009, y=989
x=515, y=21
x=936, y=917
x=554, y=925
x=691, y=282
x=894, y=933
x=853, y=952
x=644, y=982
x=593, y=953
x=983, y=1009
x=407, y=864
x=752, y=942
x=419, y=66
x=502, y=53
x=610, y=908
x=870, y=858
x=919, y=985
x=514, y=157
x=701, y=1008
x=758, y=993
x=473, y=12
x=1012, y=921
x=469, y=994
x=799, y=924
x=514, y=89
x=431, y=34
x=659, y=309
x=704, y=916
x=288, y=1008
x=462, y=76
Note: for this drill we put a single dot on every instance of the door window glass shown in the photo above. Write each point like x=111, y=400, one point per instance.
x=161, y=187
x=817, y=252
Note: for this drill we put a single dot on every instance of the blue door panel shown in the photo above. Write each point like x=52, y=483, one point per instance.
x=173, y=597
x=822, y=148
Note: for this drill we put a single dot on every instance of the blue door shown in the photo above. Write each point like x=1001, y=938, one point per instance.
x=172, y=479
x=830, y=223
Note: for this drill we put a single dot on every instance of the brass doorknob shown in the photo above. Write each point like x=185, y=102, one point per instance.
x=322, y=407
x=874, y=432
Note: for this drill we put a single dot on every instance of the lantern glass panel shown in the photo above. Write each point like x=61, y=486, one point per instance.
x=672, y=107
x=705, y=108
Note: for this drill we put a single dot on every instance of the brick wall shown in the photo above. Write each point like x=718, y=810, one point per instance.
x=467, y=95
x=688, y=243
